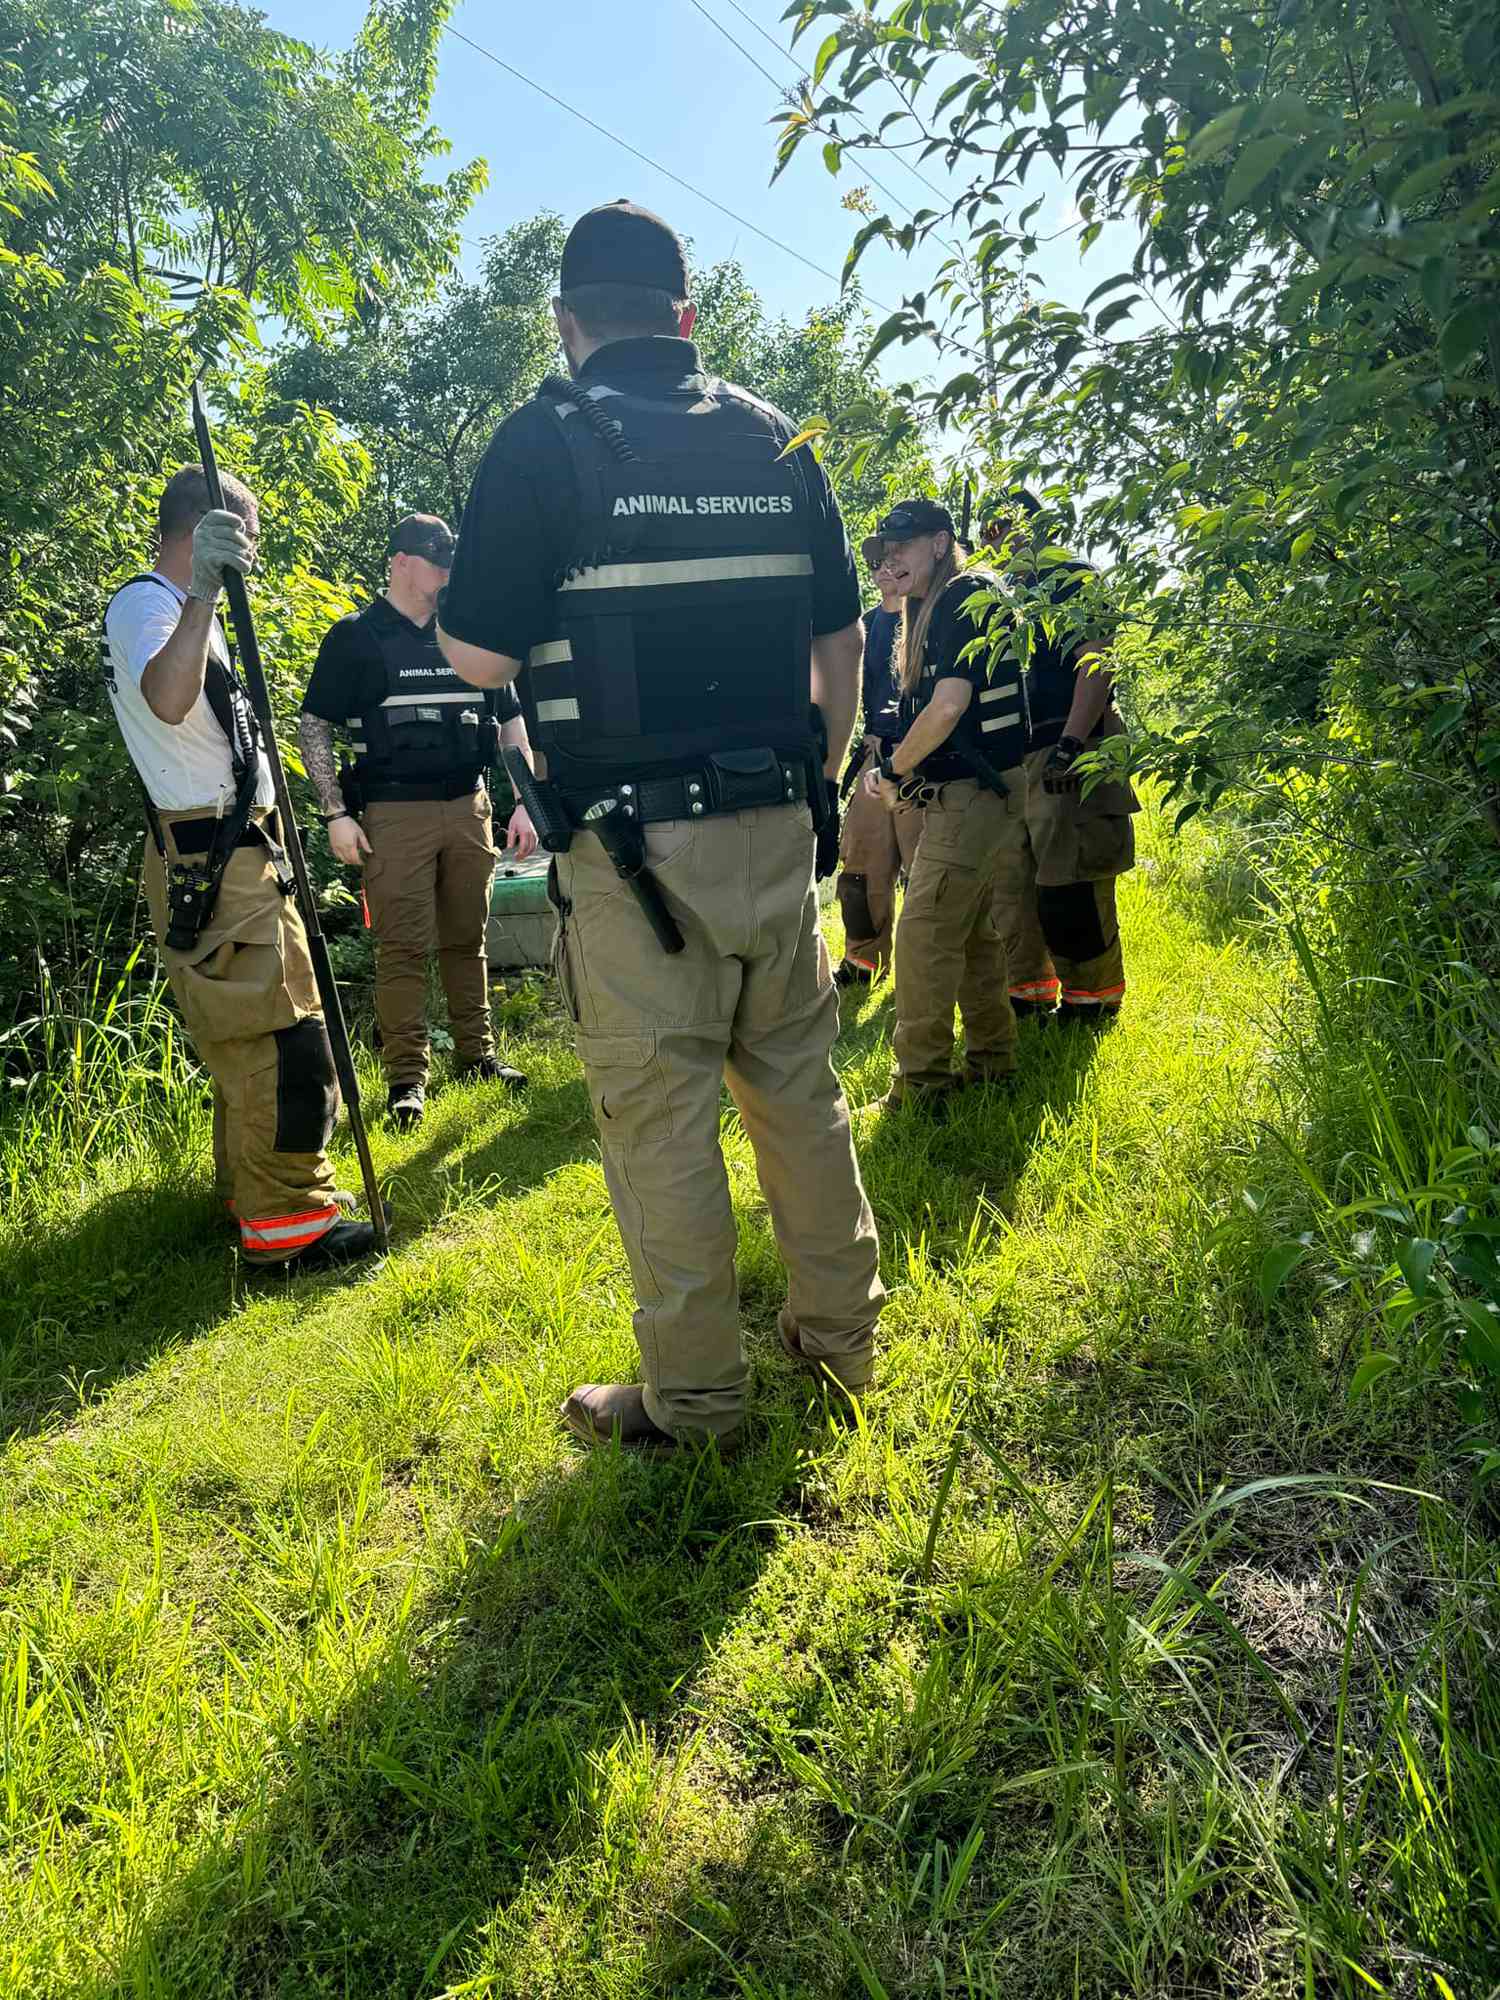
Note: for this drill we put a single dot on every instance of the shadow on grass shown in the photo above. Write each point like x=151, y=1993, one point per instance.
x=84, y=1305
x=394, y=1831
x=924, y=1168
x=139, y=1271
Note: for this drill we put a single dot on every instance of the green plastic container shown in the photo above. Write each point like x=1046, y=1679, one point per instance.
x=522, y=922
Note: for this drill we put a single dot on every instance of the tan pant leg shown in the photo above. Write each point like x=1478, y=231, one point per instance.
x=223, y=1179
x=1099, y=979
x=654, y=1035
x=247, y=993
x=792, y=1105
x=948, y=951
x=869, y=862
x=1081, y=846
x=401, y=891
x=465, y=869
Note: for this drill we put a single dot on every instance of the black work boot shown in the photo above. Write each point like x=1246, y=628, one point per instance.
x=344, y=1243
x=1033, y=1010
x=850, y=974
x=490, y=1069
x=405, y=1105
x=1099, y=1019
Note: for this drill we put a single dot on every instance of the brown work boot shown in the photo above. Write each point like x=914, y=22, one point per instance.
x=844, y=1376
x=598, y=1412
x=933, y=1098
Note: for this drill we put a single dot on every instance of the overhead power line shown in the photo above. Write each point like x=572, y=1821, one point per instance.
x=940, y=340
x=645, y=158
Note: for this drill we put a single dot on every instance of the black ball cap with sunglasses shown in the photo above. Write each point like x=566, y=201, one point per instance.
x=423, y=535
x=906, y=519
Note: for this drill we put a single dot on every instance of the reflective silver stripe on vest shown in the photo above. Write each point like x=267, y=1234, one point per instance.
x=703, y=569
x=557, y=711
x=1002, y=722
x=551, y=654
x=358, y=745
x=473, y=698
x=999, y=693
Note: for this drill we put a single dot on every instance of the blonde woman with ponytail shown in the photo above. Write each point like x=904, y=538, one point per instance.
x=959, y=758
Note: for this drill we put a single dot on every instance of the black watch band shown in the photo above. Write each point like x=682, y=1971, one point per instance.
x=888, y=775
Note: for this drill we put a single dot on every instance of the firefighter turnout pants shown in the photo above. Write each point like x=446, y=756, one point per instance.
x=248, y=996
x=1055, y=894
x=750, y=1000
x=948, y=952
x=427, y=887
x=875, y=846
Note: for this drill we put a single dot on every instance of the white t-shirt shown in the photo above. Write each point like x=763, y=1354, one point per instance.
x=182, y=764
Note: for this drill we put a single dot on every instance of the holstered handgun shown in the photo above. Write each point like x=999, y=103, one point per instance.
x=624, y=841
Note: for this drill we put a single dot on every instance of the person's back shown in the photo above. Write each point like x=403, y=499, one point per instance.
x=679, y=588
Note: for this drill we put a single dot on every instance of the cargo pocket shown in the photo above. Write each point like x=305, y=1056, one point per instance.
x=1106, y=846
x=626, y=1087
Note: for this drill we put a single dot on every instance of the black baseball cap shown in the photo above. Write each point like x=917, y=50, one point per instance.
x=907, y=518
x=424, y=535
x=622, y=244
x=1008, y=507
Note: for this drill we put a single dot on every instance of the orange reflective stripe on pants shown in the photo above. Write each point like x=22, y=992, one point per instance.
x=279, y=1235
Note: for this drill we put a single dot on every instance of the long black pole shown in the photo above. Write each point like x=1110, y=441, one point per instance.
x=307, y=902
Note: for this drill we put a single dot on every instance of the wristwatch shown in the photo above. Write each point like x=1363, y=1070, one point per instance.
x=887, y=773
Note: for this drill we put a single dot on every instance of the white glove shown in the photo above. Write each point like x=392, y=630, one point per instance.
x=219, y=542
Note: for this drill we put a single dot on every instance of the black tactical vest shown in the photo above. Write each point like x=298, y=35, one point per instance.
x=993, y=726
x=682, y=622
x=1047, y=684
x=429, y=729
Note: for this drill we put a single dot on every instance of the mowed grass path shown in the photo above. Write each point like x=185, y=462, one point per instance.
x=329, y=1668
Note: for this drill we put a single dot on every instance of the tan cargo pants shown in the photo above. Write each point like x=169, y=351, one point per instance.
x=874, y=847
x=1055, y=893
x=247, y=994
x=750, y=999
x=427, y=886
x=948, y=951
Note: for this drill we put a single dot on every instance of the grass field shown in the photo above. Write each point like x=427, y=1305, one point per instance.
x=1115, y=1652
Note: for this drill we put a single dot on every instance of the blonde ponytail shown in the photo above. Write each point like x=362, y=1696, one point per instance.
x=914, y=628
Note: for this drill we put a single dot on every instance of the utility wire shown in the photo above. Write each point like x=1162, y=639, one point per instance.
x=803, y=77
x=645, y=158
x=940, y=340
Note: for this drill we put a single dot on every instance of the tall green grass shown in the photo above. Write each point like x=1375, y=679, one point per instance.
x=1115, y=1649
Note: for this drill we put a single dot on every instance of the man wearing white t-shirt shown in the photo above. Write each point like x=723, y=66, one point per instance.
x=230, y=936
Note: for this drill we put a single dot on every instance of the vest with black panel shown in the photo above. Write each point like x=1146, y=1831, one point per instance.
x=993, y=726
x=1047, y=684
x=229, y=703
x=430, y=734
x=681, y=624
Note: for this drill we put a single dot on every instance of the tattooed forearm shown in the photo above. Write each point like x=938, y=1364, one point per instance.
x=316, y=738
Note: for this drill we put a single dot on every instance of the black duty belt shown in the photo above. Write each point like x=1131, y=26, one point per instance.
x=702, y=794
x=429, y=789
x=196, y=836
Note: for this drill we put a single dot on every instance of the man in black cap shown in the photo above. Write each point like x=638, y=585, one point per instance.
x=673, y=589
x=414, y=811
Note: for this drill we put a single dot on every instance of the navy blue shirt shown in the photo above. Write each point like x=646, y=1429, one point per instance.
x=882, y=692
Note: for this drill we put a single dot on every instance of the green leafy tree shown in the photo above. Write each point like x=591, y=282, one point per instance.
x=811, y=370
x=1279, y=420
x=170, y=177
x=424, y=387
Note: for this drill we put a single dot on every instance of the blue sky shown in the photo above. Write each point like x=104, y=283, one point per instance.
x=664, y=78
